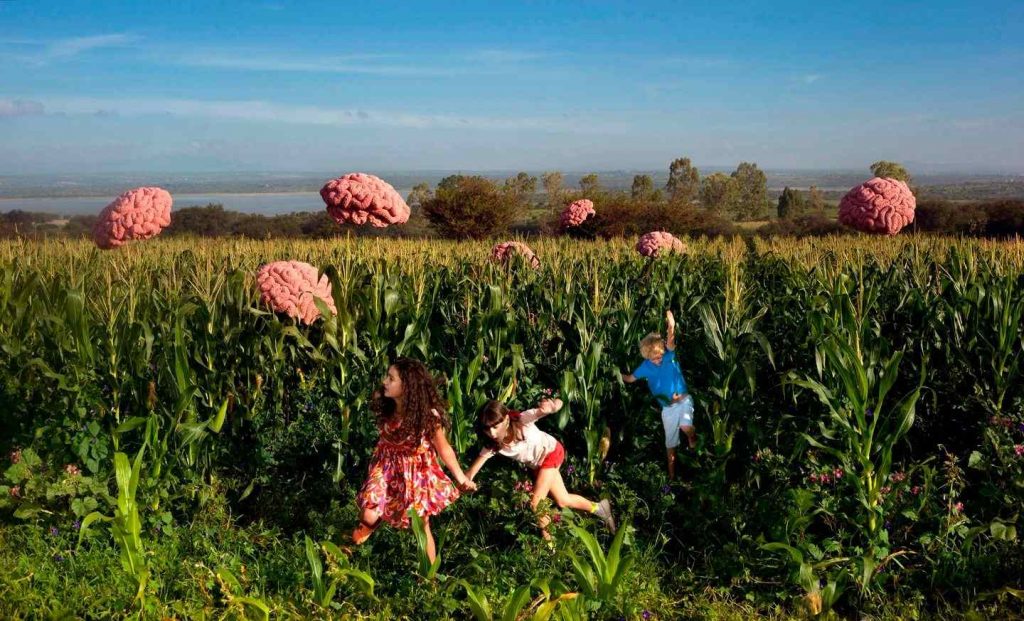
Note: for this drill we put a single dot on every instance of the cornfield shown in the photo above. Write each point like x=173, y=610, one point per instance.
x=875, y=360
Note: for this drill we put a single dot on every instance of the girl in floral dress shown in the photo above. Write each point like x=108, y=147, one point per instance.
x=404, y=472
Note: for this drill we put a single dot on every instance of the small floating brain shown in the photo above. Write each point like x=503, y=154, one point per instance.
x=137, y=214
x=657, y=243
x=503, y=253
x=576, y=213
x=879, y=205
x=291, y=287
x=358, y=198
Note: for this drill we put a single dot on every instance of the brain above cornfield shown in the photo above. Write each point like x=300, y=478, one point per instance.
x=503, y=253
x=576, y=213
x=878, y=205
x=659, y=242
x=358, y=198
x=291, y=287
x=137, y=214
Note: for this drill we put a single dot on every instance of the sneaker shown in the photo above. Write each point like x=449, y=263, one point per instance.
x=604, y=512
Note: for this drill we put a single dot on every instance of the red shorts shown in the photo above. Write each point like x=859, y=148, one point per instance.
x=554, y=458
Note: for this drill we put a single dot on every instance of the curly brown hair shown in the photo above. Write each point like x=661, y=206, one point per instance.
x=420, y=395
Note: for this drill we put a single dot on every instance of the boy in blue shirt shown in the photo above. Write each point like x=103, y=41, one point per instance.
x=661, y=370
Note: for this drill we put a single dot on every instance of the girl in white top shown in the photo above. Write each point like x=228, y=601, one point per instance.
x=515, y=435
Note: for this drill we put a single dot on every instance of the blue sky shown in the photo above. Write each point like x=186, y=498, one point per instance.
x=338, y=86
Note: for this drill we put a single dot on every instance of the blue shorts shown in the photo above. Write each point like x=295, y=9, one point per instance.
x=674, y=416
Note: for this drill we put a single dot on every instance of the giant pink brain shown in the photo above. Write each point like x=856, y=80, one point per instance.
x=577, y=212
x=137, y=214
x=503, y=253
x=358, y=198
x=659, y=242
x=878, y=205
x=291, y=287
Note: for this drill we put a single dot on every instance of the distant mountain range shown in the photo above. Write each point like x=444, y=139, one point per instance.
x=110, y=185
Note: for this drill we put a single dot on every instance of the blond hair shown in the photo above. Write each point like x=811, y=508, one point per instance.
x=652, y=345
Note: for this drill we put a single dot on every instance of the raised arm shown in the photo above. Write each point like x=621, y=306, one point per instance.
x=481, y=459
x=628, y=377
x=545, y=407
x=449, y=459
x=670, y=337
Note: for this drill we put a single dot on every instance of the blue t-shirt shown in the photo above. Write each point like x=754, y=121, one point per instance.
x=663, y=379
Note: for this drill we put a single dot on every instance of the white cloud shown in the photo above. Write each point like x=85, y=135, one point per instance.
x=302, y=114
x=65, y=48
x=20, y=107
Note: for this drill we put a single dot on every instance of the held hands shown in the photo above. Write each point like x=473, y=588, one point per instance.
x=549, y=406
x=467, y=485
x=677, y=397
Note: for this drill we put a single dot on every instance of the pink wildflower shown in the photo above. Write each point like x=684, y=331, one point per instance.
x=73, y=470
x=885, y=490
x=878, y=206
x=15, y=491
x=897, y=477
x=15, y=456
x=1018, y=449
x=915, y=490
x=958, y=507
x=838, y=473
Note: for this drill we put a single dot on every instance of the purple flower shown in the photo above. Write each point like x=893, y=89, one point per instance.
x=871, y=412
x=76, y=525
x=646, y=615
x=665, y=489
x=54, y=531
x=59, y=558
x=570, y=469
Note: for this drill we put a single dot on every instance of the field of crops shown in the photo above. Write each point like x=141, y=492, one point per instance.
x=171, y=448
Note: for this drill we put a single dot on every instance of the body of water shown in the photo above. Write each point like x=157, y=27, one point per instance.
x=265, y=204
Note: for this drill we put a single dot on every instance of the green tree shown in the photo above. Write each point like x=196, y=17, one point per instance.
x=589, y=184
x=683, y=184
x=471, y=208
x=718, y=193
x=791, y=203
x=890, y=170
x=420, y=193
x=815, y=201
x=522, y=186
x=752, y=192
x=643, y=187
x=552, y=181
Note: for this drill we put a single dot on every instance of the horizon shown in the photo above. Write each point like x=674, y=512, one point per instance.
x=459, y=87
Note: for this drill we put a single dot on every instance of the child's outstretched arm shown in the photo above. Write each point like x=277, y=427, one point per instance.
x=670, y=337
x=629, y=378
x=448, y=458
x=481, y=459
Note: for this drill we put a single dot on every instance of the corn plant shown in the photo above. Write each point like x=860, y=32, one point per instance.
x=600, y=575
x=427, y=569
x=125, y=523
x=339, y=570
x=856, y=372
x=554, y=600
x=239, y=605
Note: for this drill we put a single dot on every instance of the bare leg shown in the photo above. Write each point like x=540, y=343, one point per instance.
x=369, y=520
x=431, y=549
x=671, y=454
x=541, y=487
x=691, y=434
x=564, y=498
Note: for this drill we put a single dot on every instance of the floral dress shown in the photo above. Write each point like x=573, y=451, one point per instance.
x=403, y=474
